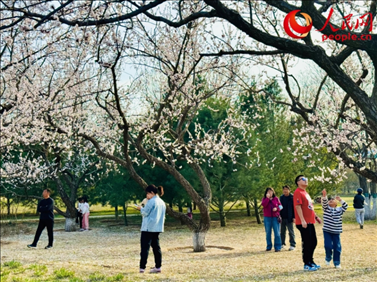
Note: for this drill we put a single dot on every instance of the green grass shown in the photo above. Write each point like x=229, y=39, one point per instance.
x=64, y=273
x=118, y=277
x=39, y=269
x=12, y=264
x=97, y=277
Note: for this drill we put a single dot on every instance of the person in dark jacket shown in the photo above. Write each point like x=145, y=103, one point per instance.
x=358, y=204
x=46, y=219
x=288, y=217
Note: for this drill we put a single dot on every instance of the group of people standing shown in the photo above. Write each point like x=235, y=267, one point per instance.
x=83, y=211
x=279, y=215
x=298, y=209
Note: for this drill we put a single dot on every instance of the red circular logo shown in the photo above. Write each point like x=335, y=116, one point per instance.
x=291, y=25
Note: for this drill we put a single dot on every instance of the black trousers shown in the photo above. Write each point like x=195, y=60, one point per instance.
x=309, y=242
x=42, y=224
x=79, y=218
x=286, y=224
x=147, y=240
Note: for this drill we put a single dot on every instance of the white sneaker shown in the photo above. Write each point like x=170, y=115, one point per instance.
x=327, y=262
x=291, y=248
x=155, y=270
x=338, y=266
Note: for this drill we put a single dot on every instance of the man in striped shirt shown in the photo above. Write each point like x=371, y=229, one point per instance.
x=332, y=227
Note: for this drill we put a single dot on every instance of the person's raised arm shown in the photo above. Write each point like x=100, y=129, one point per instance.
x=145, y=211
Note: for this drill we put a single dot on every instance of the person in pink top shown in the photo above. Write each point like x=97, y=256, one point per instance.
x=271, y=211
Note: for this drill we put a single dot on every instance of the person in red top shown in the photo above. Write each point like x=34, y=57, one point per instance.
x=305, y=219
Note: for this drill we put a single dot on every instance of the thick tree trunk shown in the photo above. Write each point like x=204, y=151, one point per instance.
x=373, y=200
x=125, y=214
x=364, y=185
x=70, y=224
x=198, y=241
x=256, y=211
x=370, y=201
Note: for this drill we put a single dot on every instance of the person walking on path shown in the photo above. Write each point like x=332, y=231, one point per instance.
x=305, y=218
x=152, y=225
x=288, y=217
x=332, y=227
x=46, y=219
x=358, y=204
x=271, y=207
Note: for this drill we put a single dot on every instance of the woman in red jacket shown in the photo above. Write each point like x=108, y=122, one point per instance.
x=271, y=212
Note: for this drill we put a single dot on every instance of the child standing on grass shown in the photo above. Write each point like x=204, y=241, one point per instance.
x=332, y=227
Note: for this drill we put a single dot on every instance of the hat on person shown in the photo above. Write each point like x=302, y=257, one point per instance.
x=360, y=190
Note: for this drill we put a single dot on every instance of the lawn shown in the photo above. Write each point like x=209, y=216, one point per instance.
x=110, y=252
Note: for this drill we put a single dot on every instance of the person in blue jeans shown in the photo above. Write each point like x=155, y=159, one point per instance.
x=332, y=227
x=271, y=212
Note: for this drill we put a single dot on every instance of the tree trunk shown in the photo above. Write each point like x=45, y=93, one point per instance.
x=256, y=211
x=180, y=209
x=8, y=205
x=371, y=200
x=125, y=214
x=198, y=241
x=116, y=213
x=364, y=185
x=194, y=207
x=374, y=209
x=70, y=224
x=248, y=208
x=222, y=219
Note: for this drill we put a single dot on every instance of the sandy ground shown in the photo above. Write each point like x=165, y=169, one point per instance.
x=235, y=253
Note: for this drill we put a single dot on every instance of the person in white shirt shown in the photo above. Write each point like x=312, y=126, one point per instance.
x=85, y=214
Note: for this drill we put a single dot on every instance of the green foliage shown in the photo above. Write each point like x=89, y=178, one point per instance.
x=76, y=279
x=4, y=274
x=12, y=264
x=272, y=153
x=39, y=269
x=118, y=277
x=63, y=273
x=97, y=277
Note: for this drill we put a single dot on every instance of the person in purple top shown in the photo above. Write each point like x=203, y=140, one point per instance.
x=271, y=211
